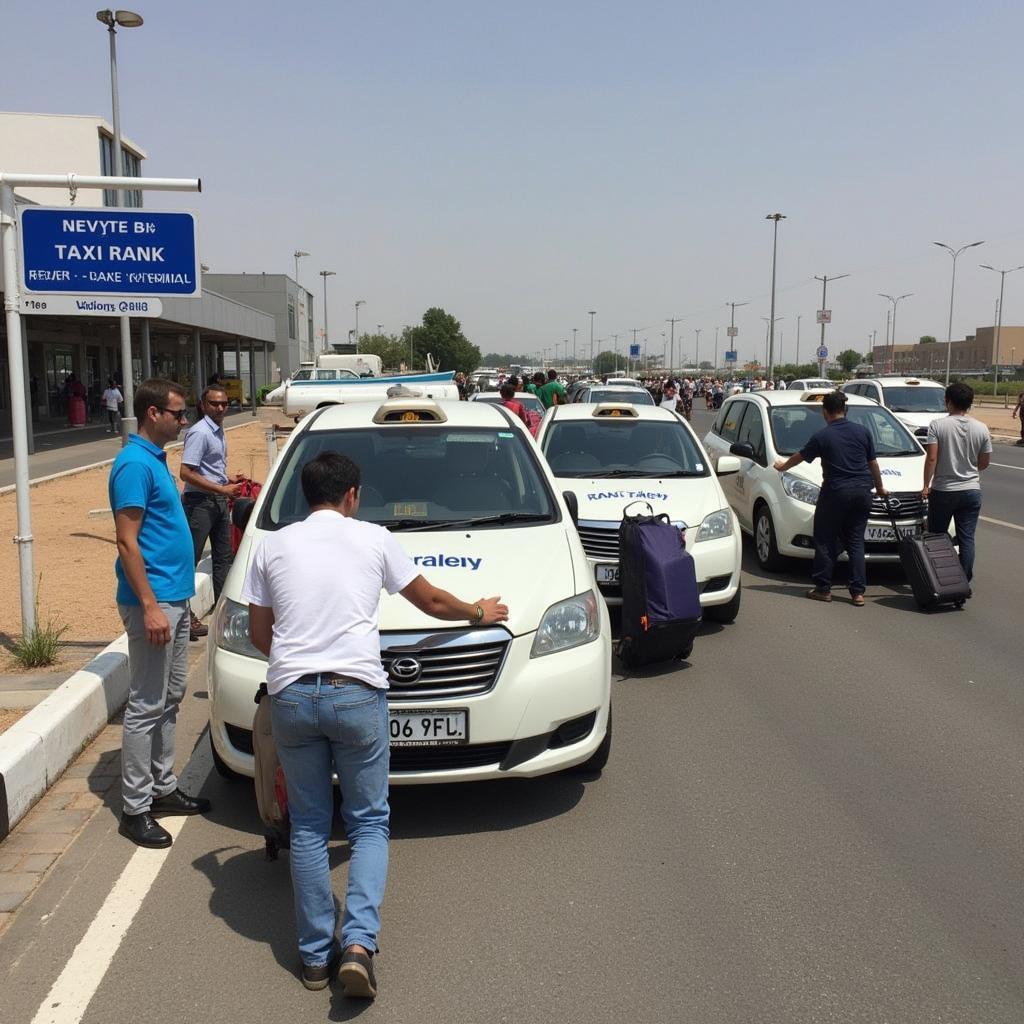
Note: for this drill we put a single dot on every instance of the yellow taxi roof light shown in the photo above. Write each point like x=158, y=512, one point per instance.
x=410, y=410
x=615, y=409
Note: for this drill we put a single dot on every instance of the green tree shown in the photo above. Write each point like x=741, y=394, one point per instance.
x=927, y=339
x=441, y=336
x=389, y=347
x=607, y=362
x=848, y=359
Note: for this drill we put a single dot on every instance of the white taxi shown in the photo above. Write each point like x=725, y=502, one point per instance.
x=464, y=490
x=778, y=508
x=914, y=401
x=615, y=455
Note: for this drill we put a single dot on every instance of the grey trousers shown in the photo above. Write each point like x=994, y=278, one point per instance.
x=157, y=680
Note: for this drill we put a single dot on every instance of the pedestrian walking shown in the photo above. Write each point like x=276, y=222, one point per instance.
x=207, y=490
x=849, y=466
x=1018, y=413
x=112, y=399
x=957, y=449
x=552, y=393
x=669, y=396
x=155, y=579
x=508, y=399
x=313, y=590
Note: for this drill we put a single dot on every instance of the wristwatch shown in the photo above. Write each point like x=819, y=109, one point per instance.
x=479, y=614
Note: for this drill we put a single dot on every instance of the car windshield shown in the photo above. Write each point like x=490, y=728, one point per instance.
x=622, y=446
x=303, y=375
x=634, y=396
x=794, y=425
x=914, y=398
x=423, y=477
x=531, y=403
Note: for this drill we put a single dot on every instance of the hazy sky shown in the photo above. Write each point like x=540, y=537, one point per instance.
x=522, y=163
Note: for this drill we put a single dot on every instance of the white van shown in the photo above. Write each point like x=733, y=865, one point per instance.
x=615, y=455
x=464, y=490
x=914, y=401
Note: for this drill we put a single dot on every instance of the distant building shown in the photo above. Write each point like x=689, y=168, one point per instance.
x=974, y=355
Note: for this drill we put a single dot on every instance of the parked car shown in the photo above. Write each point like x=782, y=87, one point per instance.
x=915, y=401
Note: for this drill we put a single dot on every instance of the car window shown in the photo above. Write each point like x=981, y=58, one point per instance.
x=419, y=476
x=732, y=415
x=914, y=398
x=622, y=447
x=793, y=426
x=752, y=432
x=635, y=396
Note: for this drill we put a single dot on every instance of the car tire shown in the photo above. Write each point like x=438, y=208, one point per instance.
x=725, y=613
x=224, y=770
x=766, y=548
x=599, y=758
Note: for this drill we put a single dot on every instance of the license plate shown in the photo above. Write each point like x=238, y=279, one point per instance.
x=886, y=533
x=428, y=728
x=607, y=573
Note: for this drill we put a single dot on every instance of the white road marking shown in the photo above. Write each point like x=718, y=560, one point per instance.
x=1003, y=465
x=68, y=999
x=1001, y=522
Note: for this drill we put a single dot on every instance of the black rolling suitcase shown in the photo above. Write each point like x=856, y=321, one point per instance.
x=660, y=598
x=932, y=567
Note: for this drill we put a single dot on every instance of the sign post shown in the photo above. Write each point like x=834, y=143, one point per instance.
x=822, y=356
x=9, y=246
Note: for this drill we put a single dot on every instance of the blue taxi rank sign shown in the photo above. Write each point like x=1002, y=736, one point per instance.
x=108, y=252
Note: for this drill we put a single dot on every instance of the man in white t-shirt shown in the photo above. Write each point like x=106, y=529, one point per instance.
x=957, y=449
x=112, y=399
x=313, y=590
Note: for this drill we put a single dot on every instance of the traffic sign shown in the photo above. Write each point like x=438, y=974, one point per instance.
x=730, y=356
x=90, y=305
x=823, y=352
x=824, y=316
x=108, y=252
x=634, y=351
x=731, y=332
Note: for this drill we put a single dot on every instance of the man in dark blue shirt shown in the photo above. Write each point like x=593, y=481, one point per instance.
x=849, y=467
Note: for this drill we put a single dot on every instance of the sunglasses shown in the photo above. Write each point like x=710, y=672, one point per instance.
x=181, y=415
x=217, y=405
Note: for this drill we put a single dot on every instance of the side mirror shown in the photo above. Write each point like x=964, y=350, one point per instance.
x=729, y=463
x=743, y=450
x=241, y=511
x=572, y=502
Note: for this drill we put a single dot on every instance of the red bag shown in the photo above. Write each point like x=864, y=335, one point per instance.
x=249, y=489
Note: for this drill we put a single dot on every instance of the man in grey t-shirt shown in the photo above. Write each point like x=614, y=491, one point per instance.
x=957, y=449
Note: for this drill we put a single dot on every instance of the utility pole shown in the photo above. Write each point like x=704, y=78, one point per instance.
x=952, y=289
x=798, y=319
x=895, y=302
x=616, y=337
x=824, y=313
x=591, y=313
x=716, y=350
x=999, y=320
x=697, y=360
x=672, y=343
x=776, y=217
x=732, y=333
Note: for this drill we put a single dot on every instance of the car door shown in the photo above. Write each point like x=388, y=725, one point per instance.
x=748, y=480
x=728, y=427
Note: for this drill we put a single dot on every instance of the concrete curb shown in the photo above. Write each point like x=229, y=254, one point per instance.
x=35, y=751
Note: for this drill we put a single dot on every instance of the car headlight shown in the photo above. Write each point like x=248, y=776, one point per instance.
x=567, y=624
x=715, y=526
x=231, y=630
x=800, y=489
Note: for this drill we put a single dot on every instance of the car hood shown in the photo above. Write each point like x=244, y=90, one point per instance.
x=472, y=564
x=914, y=420
x=905, y=473
x=686, y=500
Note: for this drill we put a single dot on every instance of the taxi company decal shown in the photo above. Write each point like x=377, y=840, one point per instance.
x=891, y=472
x=648, y=495
x=448, y=561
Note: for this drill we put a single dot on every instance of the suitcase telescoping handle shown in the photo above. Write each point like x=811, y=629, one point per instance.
x=892, y=516
x=639, y=501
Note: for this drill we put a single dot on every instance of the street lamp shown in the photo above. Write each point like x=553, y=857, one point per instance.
x=697, y=360
x=573, y=346
x=298, y=254
x=591, y=313
x=952, y=288
x=326, y=274
x=824, y=279
x=732, y=332
x=126, y=19
x=776, y=217
x=892, y=344
x=769, y=333
x=999, y=322
x=359, y=302
x=672, y=342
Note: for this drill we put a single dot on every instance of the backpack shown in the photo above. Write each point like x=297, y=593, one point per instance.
x=271, y=791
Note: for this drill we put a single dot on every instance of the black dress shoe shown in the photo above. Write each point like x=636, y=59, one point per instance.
x=356, y=975
x=142, y=830
x=179, y=803
x=316, y=978
x=196, y=629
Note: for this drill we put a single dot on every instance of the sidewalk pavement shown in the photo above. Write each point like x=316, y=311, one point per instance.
x=999, y=421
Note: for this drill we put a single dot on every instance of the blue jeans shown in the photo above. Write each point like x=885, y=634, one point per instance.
x=839, y=521
x=963, y=507
x=317, y=727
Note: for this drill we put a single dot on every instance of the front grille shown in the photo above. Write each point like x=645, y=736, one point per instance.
x=600, y=541
x=456, y=663
x=439, y=759
x=911, y=506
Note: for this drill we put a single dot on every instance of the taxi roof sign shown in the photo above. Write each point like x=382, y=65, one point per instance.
x=813, y=396
x=410, y=410
x=615, y=410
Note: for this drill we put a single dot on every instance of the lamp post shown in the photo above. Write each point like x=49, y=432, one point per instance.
x=359, y=302
x=697, y=360
x=796, y=361
x=573, y=346
x=769, y=333
x=776, y=217
x=591, y=313
x=716, y=351
x=732, y=332
x=126, y=19
x=952, y=288
x=326, y=274
x=672, y=343
x=616, y=337
x=999, y=321
x=298, y=254
x=895, y=300
x=824, y=279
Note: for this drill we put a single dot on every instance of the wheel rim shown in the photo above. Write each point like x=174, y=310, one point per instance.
x=763, y=537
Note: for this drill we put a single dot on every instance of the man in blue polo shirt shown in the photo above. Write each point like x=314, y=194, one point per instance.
x=155, y=579
x=848, y=467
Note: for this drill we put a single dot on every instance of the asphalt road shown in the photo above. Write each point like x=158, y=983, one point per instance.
x=817, y=819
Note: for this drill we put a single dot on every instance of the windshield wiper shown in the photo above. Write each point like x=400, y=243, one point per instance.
x=499, y=518
x=621, y=472
x=397, y=525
